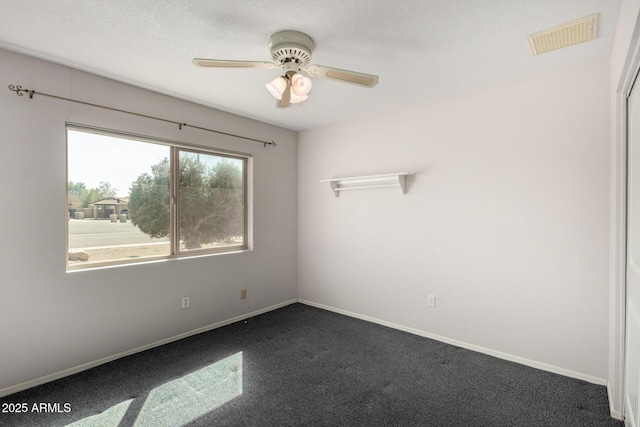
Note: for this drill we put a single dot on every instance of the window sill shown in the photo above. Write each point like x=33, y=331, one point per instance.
x=151, y=260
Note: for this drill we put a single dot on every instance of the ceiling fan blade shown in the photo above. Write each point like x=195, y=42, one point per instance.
x=353, y=77
x=286, y=97
x=220, y=63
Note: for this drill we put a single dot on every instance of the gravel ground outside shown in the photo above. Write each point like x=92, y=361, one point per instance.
x=123, y=252
x=119, y=253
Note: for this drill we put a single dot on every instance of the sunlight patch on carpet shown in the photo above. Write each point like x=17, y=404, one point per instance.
x=185, y=399
x=180, y=401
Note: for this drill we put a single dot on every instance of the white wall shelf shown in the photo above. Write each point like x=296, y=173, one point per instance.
x=371, y=181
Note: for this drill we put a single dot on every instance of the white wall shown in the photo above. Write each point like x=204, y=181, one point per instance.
x=625, y=57
x=506, y=221
x=52, y=321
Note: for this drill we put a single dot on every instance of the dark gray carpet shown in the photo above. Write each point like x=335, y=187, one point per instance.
x=300, y=365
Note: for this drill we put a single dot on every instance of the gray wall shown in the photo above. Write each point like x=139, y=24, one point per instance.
x=506, y=220
x=52, y=321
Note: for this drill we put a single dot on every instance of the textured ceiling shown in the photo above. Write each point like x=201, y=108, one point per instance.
x=421, y=49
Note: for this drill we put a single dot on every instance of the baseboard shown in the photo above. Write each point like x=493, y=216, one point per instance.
x=65, y=373
x=479, y=349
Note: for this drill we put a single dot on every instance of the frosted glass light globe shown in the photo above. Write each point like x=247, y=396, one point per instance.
x=300, y=85
x=277, y=87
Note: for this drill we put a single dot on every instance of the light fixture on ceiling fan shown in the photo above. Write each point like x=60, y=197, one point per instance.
x=291, y=51
x=291, y=88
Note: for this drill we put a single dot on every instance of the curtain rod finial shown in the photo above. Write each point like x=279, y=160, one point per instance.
x=19, y=91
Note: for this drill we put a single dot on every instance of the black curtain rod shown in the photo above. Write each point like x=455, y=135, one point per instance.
x=20, y=92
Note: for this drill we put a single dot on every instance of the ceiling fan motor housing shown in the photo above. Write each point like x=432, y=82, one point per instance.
x=291, y=46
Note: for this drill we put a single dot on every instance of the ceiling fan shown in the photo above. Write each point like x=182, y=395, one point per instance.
x=291, y=51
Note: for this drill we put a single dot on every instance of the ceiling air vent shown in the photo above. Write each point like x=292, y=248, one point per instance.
x=578, y=31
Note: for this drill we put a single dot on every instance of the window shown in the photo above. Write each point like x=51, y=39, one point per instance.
x=134, y=199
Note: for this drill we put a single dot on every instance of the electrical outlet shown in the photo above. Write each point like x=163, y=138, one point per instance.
x=186, y=302
x=243, y=294
x=431, y=300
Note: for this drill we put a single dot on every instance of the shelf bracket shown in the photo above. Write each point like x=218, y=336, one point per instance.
x=402, y=180
x=334, y=187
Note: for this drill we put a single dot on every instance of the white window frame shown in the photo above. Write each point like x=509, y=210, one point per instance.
x=175, y=148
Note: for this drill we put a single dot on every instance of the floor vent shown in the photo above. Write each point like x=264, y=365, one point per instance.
x=578, y=31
